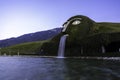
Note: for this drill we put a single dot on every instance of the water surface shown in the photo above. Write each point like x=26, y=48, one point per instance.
x=36, y=68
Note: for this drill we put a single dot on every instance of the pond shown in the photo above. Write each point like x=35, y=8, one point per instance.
x=38, y=68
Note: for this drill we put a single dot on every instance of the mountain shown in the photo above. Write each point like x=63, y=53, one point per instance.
x=31, y=37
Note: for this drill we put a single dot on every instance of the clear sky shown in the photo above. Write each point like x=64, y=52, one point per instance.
x=18, y=17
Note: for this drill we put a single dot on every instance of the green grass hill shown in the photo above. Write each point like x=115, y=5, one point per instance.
x=86, y=37
x=30, y=48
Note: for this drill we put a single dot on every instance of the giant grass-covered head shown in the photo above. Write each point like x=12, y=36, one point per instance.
x=85, y=38
x=77, y=27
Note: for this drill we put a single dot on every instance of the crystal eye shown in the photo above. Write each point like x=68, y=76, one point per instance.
x=76, y=22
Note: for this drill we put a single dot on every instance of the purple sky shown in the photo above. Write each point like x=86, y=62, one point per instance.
x=18, y=17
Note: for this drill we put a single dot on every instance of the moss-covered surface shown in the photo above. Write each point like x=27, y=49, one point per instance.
x=86, y=38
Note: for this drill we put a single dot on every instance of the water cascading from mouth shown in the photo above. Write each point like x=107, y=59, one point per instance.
x=61, y=49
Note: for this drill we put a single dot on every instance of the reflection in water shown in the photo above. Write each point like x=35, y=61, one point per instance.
x=93, y=70
x=35, y=68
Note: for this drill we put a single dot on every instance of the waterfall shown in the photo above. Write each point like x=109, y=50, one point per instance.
x=61, y=48
x=103, y=49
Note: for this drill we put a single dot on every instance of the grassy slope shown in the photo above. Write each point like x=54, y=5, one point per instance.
x=105, y=27
x=25, y=48
x=106, y=31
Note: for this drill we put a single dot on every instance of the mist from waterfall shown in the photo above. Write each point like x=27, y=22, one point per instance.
x=61, y=49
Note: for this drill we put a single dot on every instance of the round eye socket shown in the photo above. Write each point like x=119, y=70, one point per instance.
x=76, y=22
